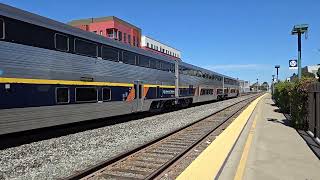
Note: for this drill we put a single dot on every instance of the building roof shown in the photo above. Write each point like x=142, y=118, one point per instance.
x=100, y=19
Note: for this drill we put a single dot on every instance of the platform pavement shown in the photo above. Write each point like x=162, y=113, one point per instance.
x=268, y=148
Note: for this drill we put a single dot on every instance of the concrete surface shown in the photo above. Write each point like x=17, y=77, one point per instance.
x=277, y=150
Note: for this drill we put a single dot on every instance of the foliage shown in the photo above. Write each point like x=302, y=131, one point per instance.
x=292, y=97
x=308, y=74
x=264, y=86
x=281, y=95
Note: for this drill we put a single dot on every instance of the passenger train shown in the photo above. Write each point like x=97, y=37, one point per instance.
x=52, y=74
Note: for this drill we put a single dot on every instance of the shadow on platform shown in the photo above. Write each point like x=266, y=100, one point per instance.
x=313, y=145
x=285, y=122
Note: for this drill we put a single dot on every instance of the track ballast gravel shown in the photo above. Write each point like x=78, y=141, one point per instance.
x=61, y=157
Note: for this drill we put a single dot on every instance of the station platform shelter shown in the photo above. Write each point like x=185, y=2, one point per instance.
x=259, y=144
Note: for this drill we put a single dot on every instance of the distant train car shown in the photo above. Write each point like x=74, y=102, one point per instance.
x=53, y=74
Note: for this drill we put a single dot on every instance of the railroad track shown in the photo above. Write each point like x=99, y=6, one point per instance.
x=152, y=159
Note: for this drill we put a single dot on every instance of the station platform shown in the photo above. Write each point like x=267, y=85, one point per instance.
x=259, y=144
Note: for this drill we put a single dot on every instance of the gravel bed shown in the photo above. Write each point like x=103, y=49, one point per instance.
x=60, y=157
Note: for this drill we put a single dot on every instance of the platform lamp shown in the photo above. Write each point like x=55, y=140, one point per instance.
x=298, y=30
x=277, y=67
x=257, y=84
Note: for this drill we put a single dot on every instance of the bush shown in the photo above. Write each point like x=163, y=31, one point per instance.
x=292, y=98
x=282, y=95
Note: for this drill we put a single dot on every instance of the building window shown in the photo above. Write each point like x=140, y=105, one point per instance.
x=110, y=53
x=129, y=38
x=86, y=94
x=106, y=94
x=101, y=33
x=62, y=95
x=61, y=42
x=85, y=47
x=151, y=46
x=138, y=43
x=2, y=29
x=134, y=41
x=147, y=44
x=125, y=37
x=120, y=35
x=94, y=32
x=110, y=33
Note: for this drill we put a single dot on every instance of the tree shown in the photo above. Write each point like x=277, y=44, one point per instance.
x=318, y=74
x=308, y=74
x=264, y=86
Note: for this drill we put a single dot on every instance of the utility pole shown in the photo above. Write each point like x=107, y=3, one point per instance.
x=298, y=30
x=257, y=85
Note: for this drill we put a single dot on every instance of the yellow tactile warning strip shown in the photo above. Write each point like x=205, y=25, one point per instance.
x=246, y=149
x=210, y=161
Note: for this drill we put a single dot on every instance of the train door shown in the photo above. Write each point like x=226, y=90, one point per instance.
x=190, y=93
x=138, y=99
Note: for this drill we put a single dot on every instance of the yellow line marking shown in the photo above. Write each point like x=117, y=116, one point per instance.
x=243, y=161
x=210, y=161
x=66, y=82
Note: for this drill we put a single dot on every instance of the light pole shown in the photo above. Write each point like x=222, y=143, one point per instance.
x=277, y=67
x=257, y=85
x=298, y=30
x=272, y=84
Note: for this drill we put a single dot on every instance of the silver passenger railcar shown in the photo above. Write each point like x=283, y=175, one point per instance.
x=53, y=74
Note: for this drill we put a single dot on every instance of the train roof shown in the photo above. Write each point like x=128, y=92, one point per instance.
x=31, y=18
x=204, y=70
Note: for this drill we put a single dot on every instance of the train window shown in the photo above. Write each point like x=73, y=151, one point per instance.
x=128, y=58
x=172, y=68
x=2, y=29
x=62, y=95
x=106, y=94
x=153, y=63
x=144, y=61
x=86, y=94
x=85, y=48
x=165, y=66
x=109, y=53
x=61, y=42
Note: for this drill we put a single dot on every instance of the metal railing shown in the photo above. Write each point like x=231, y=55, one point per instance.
x=314, y=109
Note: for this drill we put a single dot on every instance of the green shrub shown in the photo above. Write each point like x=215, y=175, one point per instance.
x=282, y=95
x=299, y=103
x=292, y=98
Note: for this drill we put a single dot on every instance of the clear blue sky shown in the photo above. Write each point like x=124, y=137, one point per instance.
x=243, y=39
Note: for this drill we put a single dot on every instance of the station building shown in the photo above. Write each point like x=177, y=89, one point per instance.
x=111, y=27
x=120, y=30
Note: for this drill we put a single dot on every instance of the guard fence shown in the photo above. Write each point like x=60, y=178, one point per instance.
x=314, y=109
